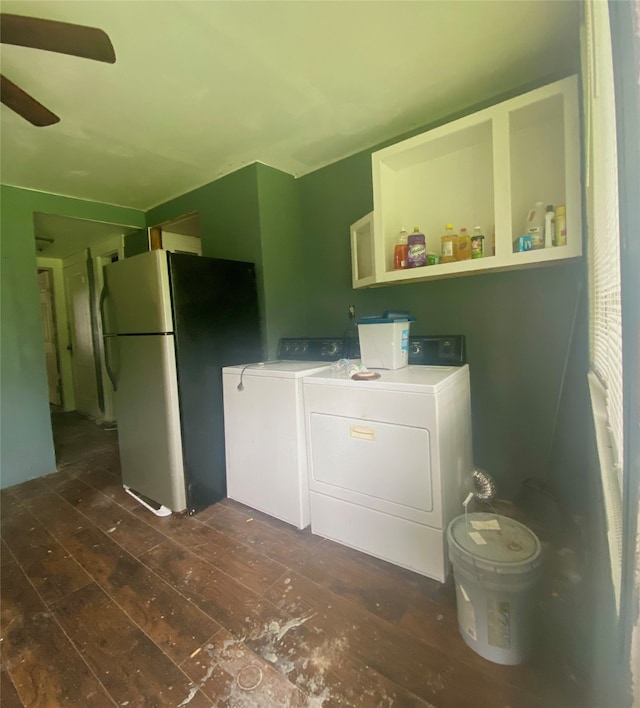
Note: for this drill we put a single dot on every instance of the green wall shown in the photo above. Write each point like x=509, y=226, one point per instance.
x=136, y=242
x=228, y=214
x=229, y=220
x=517, y=324
x=252, y=215
x=26, y=445
x=283, y=267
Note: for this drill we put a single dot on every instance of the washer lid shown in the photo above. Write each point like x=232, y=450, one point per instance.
x=494, y=538
x=278, y=369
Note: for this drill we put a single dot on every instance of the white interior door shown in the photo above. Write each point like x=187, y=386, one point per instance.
x=79, y=314
x=50, y=336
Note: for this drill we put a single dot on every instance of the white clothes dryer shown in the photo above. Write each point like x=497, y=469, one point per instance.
x=390, y=461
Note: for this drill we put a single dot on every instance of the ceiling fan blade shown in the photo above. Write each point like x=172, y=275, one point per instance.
x=24, y=105
x=60, y=37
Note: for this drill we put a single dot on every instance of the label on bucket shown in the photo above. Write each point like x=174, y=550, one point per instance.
x=491, y=525
x=499, y=623
x=477, y=538
x=466, y=613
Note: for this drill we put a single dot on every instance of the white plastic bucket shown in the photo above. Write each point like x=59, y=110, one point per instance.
x=384, y=345
x=497, y=566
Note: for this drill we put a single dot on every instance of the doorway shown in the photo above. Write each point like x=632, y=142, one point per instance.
x=75, y=252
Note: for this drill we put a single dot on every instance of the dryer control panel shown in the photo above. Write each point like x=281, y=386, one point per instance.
x=438, y=350
x=424, y=350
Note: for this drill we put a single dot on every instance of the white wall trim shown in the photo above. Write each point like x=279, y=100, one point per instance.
x=62, y=327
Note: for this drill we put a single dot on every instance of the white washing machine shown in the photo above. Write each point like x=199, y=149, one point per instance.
x=390, y=461
x=265, y=438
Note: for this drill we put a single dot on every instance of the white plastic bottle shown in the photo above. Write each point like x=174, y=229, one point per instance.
x=535, y=225
x=549, y=226
x=477, y=243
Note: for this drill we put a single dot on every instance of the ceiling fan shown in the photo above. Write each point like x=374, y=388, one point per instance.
x=52, y=36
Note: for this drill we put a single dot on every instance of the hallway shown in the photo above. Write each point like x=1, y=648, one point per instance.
x=105, y=604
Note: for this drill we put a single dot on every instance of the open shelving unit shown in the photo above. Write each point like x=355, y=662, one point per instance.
x=486, y=169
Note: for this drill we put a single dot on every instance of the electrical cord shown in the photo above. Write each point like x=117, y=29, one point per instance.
x=244, y=368
x=240, y=386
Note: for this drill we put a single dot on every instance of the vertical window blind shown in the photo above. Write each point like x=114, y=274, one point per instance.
x=605, y=325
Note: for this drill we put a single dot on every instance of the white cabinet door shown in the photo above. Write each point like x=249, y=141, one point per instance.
x=362, y=259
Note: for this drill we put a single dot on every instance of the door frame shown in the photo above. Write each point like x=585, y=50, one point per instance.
x=52, y=325
x=55, y=265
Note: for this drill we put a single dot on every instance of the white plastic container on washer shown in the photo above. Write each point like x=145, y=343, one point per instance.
x=384, y=341
x=497, y=567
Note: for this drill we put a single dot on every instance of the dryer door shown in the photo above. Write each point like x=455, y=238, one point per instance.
x=382, y=466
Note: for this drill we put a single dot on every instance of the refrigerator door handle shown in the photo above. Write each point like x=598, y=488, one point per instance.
x=103, y=297
x=107, y=363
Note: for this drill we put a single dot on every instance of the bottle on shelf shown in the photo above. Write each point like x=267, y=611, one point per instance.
x=400, y=252
x=535, y=225
x=464, y=245
x=417, y=252
x=561, y=226
x=549, y=226
x=477, y=243
x=448, y=245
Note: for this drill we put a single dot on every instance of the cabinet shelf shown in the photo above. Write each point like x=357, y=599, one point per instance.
x=486, y=169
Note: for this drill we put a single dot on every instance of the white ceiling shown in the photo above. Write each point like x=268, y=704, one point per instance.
x=202, y=88
x=60, y=236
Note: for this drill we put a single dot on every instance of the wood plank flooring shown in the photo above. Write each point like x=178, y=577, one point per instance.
x=105, y=604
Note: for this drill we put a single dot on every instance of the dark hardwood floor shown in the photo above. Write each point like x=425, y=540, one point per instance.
x=105, y=604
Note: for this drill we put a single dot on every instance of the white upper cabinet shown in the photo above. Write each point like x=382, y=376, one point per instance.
x=487, y=169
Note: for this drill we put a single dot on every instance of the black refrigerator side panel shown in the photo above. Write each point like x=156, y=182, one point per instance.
x=216, y=324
